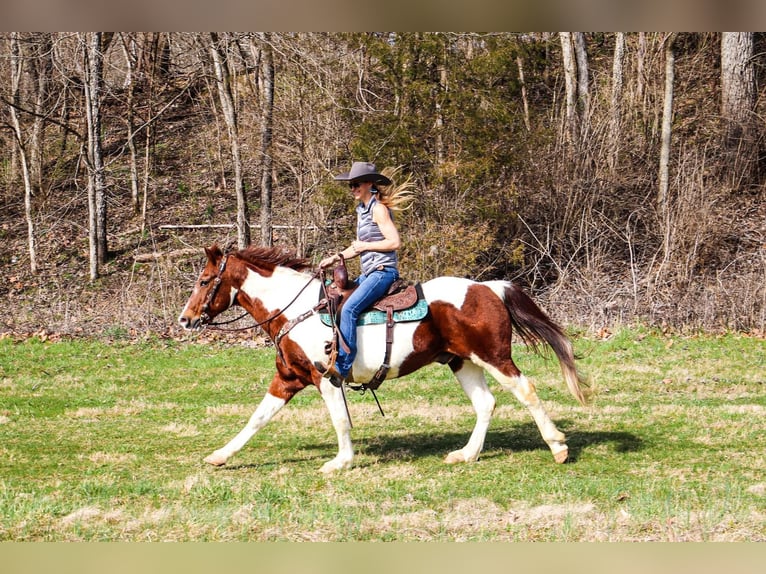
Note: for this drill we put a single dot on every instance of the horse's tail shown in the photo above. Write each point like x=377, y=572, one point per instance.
x=533, y=325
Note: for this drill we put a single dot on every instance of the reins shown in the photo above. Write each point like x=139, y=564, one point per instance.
x=205, y=318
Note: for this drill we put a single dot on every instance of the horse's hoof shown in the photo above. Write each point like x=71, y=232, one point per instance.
x=455, y=457
x=215, y=459
x=334, y=466
x=561, y=456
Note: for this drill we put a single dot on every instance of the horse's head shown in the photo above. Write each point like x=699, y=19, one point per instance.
x=213, y=293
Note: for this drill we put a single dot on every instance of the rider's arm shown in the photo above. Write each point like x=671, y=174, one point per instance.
x=390, y=242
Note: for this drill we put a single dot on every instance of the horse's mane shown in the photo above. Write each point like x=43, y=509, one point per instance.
x=271, y=257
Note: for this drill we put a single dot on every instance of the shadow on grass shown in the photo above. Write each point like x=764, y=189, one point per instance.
x=414, y=445
x=500, y=442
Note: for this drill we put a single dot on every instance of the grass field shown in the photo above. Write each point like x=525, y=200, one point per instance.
x=104, y=441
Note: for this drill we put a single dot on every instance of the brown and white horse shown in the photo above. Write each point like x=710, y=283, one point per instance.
x=468, y=327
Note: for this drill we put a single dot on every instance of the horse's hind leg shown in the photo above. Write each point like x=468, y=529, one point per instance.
x=510, y=378
x=474, y=385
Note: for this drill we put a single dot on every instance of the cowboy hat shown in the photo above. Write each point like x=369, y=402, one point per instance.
x=363, y=171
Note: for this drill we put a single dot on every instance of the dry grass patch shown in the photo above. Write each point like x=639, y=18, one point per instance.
x=121, y=409
x=180, y=430
x=480, y=518
x=91, y=514
x=230, y=410
x=110, y=458
x=758, y=410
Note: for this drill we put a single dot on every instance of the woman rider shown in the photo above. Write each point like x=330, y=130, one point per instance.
x=377, y=241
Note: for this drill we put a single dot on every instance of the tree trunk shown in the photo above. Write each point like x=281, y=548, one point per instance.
x=94, y=44
x=17, y=67
x=524, y=101
x=130, y=51
x=42, y=66
x=570, y=84
x=616, y=104
x=738, y=105
x=226, y=97
x=737, y=80
x=583, y=83
x=640, y=81
x=667, y=122
x=267, y=123
x=440, y=96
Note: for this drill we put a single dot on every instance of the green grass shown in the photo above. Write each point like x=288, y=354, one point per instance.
x=104, y=441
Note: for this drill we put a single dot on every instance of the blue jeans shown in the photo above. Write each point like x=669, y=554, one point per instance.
x=371, y=288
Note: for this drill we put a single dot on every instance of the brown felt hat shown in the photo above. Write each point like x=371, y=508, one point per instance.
x=363, y=171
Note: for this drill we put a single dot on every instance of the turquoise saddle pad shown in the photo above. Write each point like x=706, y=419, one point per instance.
x=375, y=317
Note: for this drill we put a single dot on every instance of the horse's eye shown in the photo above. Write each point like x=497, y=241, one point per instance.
x=204, y=282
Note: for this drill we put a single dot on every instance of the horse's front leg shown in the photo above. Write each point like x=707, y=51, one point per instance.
x=275, y=399
x=336, y=404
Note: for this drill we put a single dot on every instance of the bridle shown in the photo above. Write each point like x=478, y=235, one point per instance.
x=204, y=318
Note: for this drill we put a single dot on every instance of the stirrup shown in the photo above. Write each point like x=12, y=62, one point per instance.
x=330, y=373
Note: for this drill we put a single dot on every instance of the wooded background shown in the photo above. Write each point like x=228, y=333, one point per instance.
x=617, y=176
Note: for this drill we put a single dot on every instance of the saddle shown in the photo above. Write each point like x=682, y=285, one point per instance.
x=402, y=302
x=405, y=301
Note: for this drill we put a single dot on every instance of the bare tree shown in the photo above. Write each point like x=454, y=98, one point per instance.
x=42, y=67
x=738, y=103
x=94, y=44
x=439, y=97
x=218, y=48
x=576, y=83
x=583, y=82
x=129, y=43
x=524, y=100
x=570, y=85
x=17, y=70
x=666, y=133
x=640, y=66
x=737, y=79
x=616, y=104
x=267, y=131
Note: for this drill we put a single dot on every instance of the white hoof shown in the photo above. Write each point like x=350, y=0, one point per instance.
x=335, y=465
x=454, y=457
x=459, y=456
x=561, y=454
x=216, y=459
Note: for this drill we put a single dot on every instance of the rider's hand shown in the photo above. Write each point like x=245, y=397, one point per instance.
x=327, y=261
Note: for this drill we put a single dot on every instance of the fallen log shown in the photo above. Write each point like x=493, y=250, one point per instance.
x=155, y=256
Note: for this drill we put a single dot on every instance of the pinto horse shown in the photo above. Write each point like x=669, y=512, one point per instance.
x=468, y=327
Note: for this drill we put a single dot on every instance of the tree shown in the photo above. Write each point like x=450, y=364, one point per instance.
x=130, y=49
x=218, y=48
x=616, y=103
x=94, y=44
x=267, y=127
x=738, y=104
x=665, y=137
x=41, y=61
x=17, y=69
x=570, y=86
x=583, y=82
x=737, y=81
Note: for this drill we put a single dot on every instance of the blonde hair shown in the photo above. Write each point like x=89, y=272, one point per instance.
x=397, y=196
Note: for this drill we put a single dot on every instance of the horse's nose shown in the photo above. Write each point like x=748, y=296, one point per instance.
x=186, y=322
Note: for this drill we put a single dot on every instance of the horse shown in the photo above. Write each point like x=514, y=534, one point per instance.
x=468, y=327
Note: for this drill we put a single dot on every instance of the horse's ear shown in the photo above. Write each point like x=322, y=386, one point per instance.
x=214, y=253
